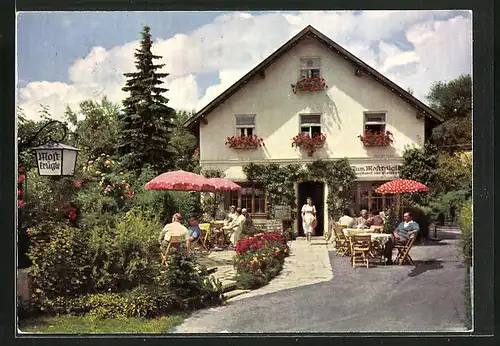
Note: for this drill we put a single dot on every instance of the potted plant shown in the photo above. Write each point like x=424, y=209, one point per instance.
x=244, y=142
x=308, y=143
x=309, y=84
x=376, y=139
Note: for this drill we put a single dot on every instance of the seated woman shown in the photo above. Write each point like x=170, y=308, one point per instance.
x=231, y=216
x=175, y=228
x=236, y=227
x=194, y=232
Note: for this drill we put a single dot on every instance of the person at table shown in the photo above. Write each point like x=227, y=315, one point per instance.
x=194, y=232
x=308, y=216
x=401, y=235
x=175, y=228
x=360, y=222
x=375, y=219
x=346, y=219
x=248, y=219
x=235, y=227
x=231, y=216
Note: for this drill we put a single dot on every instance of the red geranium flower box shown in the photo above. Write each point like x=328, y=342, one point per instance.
x=308, y=143
x=244, y=142
x=310, y=84
x=376, y=139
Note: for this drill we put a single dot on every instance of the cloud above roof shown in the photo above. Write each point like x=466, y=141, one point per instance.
x=412, y=48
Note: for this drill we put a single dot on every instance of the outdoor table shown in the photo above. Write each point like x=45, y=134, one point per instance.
x=378, y=239
x=349, y=232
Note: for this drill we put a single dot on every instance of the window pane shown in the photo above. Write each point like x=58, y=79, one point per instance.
x=245, y=120
x=310, y=63
x=242, y=131
x=375, y=128
x=374, y=118
x=305, y=130
x=249, y=131
x=304, y=74
x=315, y=73
x=315, y=130
x=310, y=119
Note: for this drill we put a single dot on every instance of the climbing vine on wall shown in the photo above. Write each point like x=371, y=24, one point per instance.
x=278, y=182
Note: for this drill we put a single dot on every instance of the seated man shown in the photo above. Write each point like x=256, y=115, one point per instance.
x=401, y=235
x=194, y=232
x=248, y=218
x=360, y=222
x=173, y=229
x=235, y=227
x=346, y=219
x=375, y=219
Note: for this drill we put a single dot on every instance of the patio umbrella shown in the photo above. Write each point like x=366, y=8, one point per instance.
x=222, y=184
x=400, y=186
x=180, y=181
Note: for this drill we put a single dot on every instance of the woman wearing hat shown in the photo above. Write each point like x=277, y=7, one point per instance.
x=308, y=217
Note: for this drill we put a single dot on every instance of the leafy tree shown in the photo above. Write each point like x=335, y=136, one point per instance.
x=453, y=100
x=146, y=123
x=184, y=143
x=97, y=132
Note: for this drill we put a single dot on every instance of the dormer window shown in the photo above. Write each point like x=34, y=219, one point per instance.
x=310, y=124
x=310, y=68
x=375, y=122
x=245, y=125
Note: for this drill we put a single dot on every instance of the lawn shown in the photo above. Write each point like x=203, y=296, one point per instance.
x=84, y=325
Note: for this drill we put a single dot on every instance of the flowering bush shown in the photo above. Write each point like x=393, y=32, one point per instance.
x=376, y=139
x=259, y=259
x=308, y=143
x=310, y=84
x=244, y=142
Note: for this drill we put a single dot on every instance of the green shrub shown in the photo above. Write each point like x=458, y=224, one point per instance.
x=190, y=284
x=466, y=232
x=60, y=257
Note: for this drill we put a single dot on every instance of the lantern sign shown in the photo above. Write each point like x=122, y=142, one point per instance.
x=56, y=159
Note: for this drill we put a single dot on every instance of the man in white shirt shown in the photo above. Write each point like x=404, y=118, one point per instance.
x=346, y=219
x=235, y=228
x=173, y=229
x=360, y=222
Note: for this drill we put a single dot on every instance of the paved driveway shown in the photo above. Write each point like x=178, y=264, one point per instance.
x=428, y=297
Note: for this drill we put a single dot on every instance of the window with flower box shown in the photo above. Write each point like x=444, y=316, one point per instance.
x=310, y=124
x=310, y=68
x=251, y=197
x=245, y=125
x=374, y=122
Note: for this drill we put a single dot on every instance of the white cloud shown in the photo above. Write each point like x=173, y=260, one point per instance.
x=439, y=49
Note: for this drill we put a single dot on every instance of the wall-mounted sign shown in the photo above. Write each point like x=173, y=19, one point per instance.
x=282, y=212
x=56, y=159
x=377, y=171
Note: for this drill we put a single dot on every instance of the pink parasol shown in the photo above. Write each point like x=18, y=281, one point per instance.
x=222, y=184
x=401, y=186
x=180, y=181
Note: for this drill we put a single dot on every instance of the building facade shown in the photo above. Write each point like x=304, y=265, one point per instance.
x=355, y=100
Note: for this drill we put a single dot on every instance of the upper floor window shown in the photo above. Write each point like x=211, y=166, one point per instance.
x=310, y=124
x=310, y=68
x=375, y=122
x=245, y=125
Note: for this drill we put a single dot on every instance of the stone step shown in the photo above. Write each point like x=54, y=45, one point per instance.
x=235, y=293
x=228, y=286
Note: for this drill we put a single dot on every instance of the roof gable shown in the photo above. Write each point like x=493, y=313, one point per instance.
x=309, y=31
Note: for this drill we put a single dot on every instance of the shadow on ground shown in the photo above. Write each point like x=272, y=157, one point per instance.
x=423, y=266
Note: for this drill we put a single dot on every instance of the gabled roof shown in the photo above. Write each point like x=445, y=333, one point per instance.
x=309, y=31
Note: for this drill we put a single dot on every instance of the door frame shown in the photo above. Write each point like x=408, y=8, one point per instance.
x=322, y=211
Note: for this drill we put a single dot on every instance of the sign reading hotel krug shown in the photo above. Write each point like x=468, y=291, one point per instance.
x=49, y=162
x=376, y=171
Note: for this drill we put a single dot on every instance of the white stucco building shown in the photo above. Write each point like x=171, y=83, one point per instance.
x=357, y=98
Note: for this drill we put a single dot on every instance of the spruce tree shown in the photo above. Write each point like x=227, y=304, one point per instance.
x=146, y=122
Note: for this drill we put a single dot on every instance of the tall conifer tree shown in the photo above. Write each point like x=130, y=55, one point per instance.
x=146, y=122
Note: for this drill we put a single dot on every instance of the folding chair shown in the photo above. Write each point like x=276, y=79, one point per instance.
x=361, y=246
x=205, y=235
x=404, y=251
x=341, y=242
x=174, y=241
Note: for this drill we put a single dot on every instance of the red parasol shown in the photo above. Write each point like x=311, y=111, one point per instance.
x=401, y=186
x=222, y=184
x=180, y=181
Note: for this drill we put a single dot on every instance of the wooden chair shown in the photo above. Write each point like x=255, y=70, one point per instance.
x=404, y=251
x=341, y=241
x=205, y=236
x=175, y=241
x=361, y=246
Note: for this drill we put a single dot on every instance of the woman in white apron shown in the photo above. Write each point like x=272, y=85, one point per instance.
x=308, y=216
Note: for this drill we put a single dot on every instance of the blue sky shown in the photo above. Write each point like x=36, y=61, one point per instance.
x=65, y=57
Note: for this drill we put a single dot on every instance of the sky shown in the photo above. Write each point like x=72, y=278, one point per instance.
x=64, y=58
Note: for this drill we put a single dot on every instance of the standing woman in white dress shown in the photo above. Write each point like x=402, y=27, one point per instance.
x=308, y=216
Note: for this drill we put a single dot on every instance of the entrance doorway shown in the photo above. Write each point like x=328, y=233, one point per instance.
x=315, y=190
